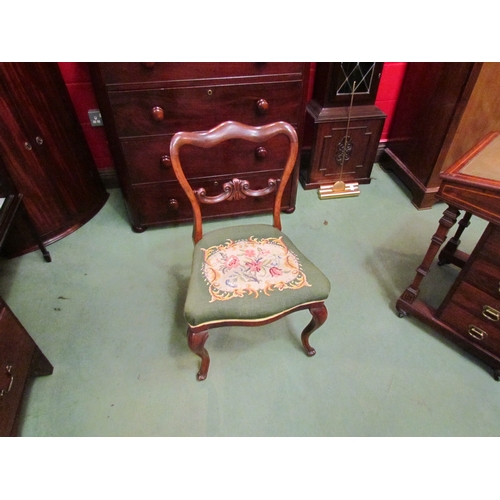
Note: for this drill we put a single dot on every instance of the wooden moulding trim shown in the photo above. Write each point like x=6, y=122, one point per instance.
x=409, y=175
x=60, y=233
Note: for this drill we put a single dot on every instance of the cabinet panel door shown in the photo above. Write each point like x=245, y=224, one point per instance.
x=27, y=173
x=45, y=153
x=428, y=104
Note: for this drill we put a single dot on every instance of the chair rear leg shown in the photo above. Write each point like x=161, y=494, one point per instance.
x=319, y=315
x=196, y=342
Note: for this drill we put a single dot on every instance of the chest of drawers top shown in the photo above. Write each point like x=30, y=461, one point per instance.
x=130, y=76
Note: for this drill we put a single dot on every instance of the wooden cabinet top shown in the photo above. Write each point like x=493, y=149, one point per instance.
x=473, y=182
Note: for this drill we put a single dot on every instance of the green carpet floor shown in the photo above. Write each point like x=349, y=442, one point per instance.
x=107, y=313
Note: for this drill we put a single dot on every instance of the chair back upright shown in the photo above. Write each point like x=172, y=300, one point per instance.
x=237, y=188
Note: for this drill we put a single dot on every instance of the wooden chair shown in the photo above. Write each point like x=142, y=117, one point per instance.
x=246, y=275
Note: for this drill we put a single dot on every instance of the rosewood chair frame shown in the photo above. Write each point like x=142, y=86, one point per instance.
x=237, y=189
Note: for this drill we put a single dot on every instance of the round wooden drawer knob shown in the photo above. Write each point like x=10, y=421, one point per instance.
x=260, y=153
x=173, y=204
x=165, y=161
x=262, y=106
x=157, y=114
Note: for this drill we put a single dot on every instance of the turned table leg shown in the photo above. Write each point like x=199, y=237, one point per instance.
x=446, y=256
x=448, y=219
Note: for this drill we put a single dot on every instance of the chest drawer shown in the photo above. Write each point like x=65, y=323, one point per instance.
x=166, y=111
x=472, y=328
x=491, y=247
x=128, y=73
x=485, y=275
x=165, y=202
x=477, y=303
x=16, y=352
x=144, y=158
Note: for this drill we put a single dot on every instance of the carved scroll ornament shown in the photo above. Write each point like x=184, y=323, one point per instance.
x=235, y=190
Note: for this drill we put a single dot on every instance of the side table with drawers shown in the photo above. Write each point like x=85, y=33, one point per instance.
x=144, y=104
x=469, y=314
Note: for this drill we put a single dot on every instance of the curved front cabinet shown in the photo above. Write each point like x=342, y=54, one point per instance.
x=45, y=154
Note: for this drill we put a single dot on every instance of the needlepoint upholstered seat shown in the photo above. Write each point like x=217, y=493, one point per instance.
x=246, y=274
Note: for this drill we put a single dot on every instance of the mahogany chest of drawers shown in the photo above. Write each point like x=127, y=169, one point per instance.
x=144, y=104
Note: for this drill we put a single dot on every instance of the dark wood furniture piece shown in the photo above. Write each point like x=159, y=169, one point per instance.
x=470, y=313
x=246, y=275
x=344, y=138
x=20, y=357
x=144, y=104
x=11, y=204
x=20, y=360
x=44, y=151
x=443, y=110
x=333, y=83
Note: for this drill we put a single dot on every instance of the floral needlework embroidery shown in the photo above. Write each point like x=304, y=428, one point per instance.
x=251, y=266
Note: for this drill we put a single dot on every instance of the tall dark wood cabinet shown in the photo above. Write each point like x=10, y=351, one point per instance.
x=144, y=104
x=44, y=151
x=442, y=111
x=344, y=137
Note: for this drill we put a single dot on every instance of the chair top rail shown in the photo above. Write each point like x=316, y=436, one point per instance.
x=224, y=132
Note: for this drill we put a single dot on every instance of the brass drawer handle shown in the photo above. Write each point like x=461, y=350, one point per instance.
x=476, y=332
x=490, y=313
x=8, y=370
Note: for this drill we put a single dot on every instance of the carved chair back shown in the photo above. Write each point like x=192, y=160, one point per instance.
x=237, y=188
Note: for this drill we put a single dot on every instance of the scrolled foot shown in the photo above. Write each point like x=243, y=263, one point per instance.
x=496, y=375
x=319, y=315
x=196, y=342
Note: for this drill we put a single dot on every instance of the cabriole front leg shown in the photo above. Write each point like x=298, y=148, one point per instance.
x=319, y=315
x=196, y=342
